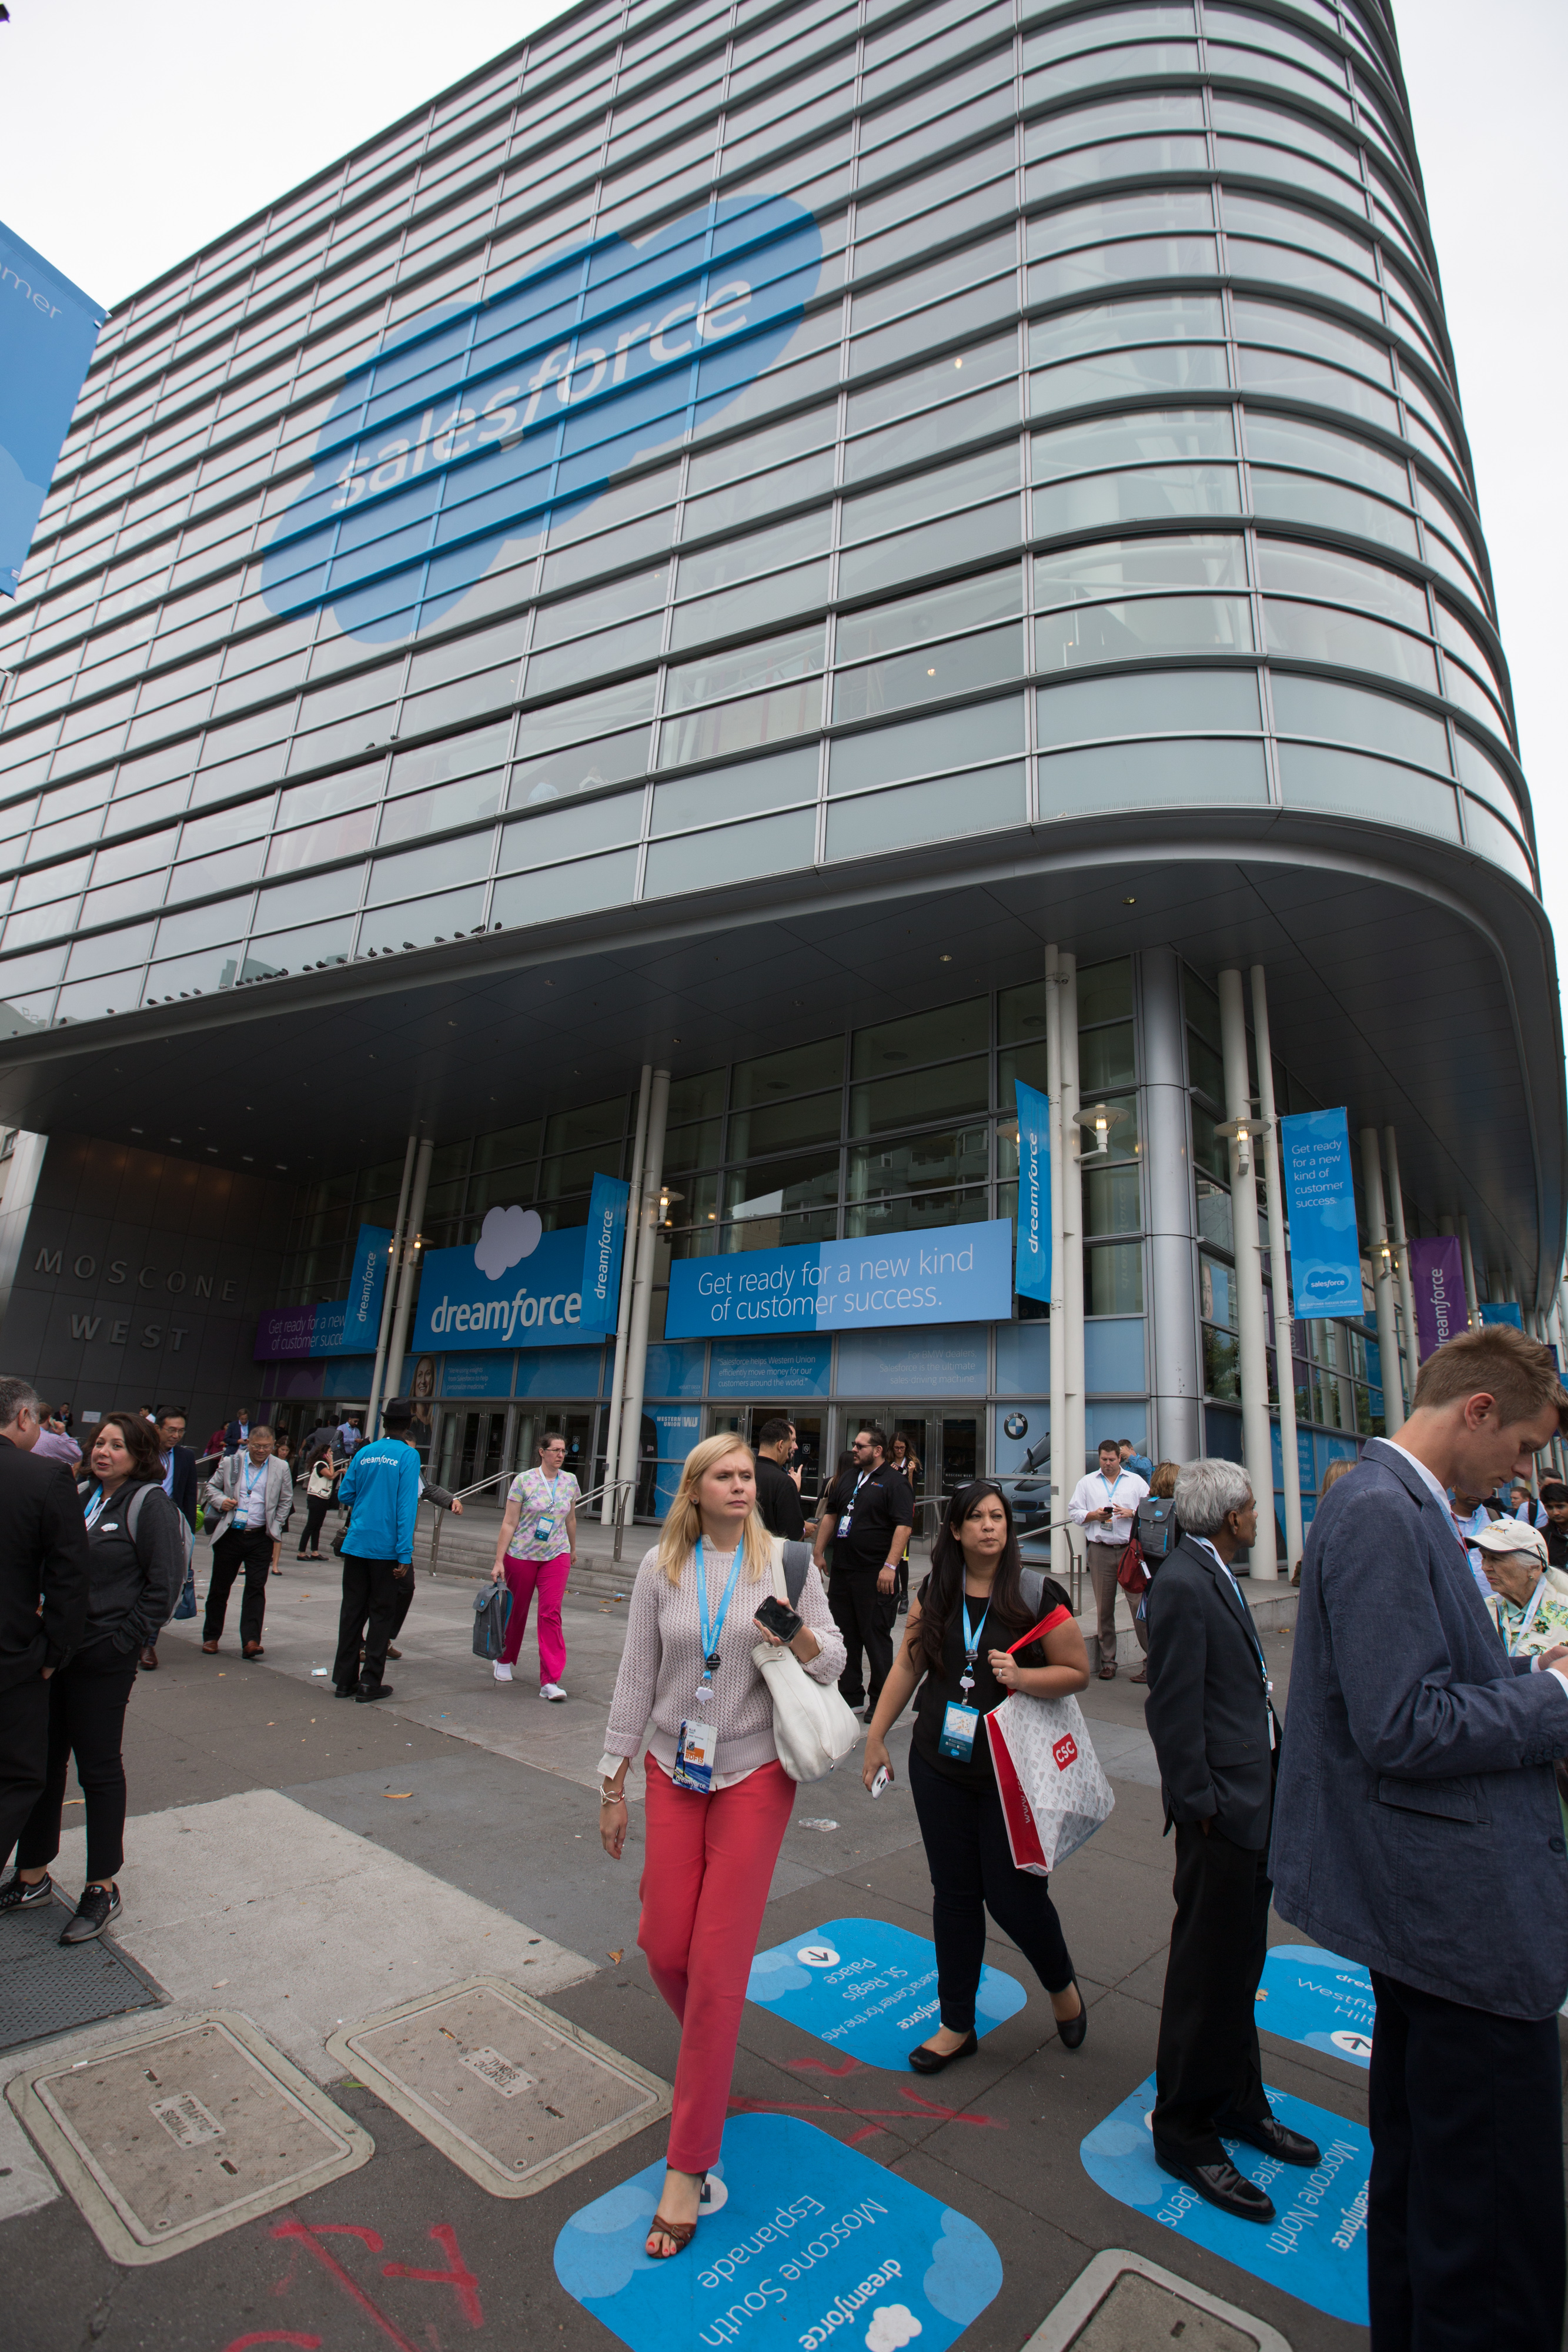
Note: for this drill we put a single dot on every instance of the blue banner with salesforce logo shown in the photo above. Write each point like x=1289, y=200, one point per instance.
x=1032, y=1277
x=1319, y=1200
x=519, y=1286
x=48, y=328
x=470, y=433
x=958, y=1273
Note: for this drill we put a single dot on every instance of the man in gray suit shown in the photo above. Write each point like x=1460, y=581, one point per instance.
x=1211, y=1717
x=1418, y=1831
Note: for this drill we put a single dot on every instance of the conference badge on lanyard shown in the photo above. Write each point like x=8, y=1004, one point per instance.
x=545, y=1526
x=960, y=1721
x=696, y=1751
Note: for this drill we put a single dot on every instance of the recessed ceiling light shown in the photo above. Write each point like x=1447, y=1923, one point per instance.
x=1129, y=902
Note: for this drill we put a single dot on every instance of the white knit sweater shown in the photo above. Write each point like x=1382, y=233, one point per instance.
x=661, y=1666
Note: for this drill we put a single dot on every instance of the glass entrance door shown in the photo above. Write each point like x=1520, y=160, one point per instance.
x=573, y=1422
x=471, y=1447
x=960, y=1454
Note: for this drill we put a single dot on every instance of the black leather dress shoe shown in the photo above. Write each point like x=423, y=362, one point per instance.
x=1271, y=2136
x=1220, y=2184
x=931, y=2061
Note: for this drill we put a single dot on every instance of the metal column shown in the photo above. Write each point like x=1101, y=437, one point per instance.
x=1061, y=1488
x=1402, y=1252
x=1176, y=1338
x=1382, y=1284
x=1072, y=1225
x=1279, y=1274
x=1472, y=1296
x=1257, y=1433
x=389, y=1291
x=408, y=1282
x=630, y=1451
x=622, y=1312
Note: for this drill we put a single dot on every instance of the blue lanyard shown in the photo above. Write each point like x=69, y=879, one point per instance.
x=95, y=1505
x=710, y=1630
x=971, y=1644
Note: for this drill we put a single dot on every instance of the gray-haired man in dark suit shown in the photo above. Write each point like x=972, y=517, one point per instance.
x=1211, y=1718
x=1418, y=1831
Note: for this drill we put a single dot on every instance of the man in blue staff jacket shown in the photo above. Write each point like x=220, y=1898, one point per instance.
x=1417, y=1830
x=381, y=1491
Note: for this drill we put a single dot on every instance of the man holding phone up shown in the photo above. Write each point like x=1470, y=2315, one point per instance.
x=1106, y=1506
x=868, y=1515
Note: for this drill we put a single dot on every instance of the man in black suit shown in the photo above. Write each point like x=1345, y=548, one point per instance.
x=180, y=1485
x=43, y=1556
x=779, y=1486
x=238, y=1430
x=1212, y=1721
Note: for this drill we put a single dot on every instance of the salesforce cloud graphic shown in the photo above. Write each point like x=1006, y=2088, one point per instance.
x=444, y=447
x=506, y=1237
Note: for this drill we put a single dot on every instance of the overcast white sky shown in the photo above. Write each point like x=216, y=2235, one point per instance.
x=128, y=136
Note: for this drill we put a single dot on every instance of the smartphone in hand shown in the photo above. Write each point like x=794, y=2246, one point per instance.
x=880, y=1780
x=779, y=1619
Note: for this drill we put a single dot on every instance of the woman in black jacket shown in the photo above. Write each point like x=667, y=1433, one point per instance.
x=136, y=1548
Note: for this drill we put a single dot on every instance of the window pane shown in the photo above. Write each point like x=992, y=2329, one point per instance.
x=1346, y=714
x=912, y=1163
x=1156, y=703
x=796, y=1070
x=1083, y=574
x=948, y=738
x=933, y=1036
x=924, y=1094
x=1114, y=1279
x=1153, y=494
x=1288, y=568
x=1161, y=433
x=785, y=1125
x=1316, y=633
x=929, y=673
x=952, y=808
x=1153, y=624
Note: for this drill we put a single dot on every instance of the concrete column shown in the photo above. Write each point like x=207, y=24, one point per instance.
x=408, y=1282
x=1176, y=1338
x=1060, y=1485
x=1402, y=1252
x=631, y=1448
x=1381, y=1283
x=1072, y=1222
x=1279, y=1274
x=1472, y=1296
x=623, y=1310
x=1257, y=1437
x=389, y=1289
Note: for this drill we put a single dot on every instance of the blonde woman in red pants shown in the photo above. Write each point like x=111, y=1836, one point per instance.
x=718, y=1798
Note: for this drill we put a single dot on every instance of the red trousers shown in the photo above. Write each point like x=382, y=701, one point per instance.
x=705, y=1887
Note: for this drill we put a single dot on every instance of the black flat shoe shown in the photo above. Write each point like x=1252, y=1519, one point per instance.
x=1284, y=2145
x=1220, y=2184
x=931, y=2061
x=1070, y=2030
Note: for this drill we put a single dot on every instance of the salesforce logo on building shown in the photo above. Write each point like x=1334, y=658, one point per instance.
x=446, y=447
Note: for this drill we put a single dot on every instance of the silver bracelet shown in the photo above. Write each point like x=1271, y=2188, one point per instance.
x=608, y=1796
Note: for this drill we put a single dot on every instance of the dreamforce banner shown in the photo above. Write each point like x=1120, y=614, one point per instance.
x=48, y=328
x=336, y=1326
x=959, y=1273
x=1032, y=1279
x=1437, y=1287
x=1319, y=1198
x=519, y=1286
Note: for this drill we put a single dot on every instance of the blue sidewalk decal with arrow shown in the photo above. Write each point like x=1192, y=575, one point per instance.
x=805, y=2242
x=1315, y=2248
x=1314, y=1996
x=868, y=1988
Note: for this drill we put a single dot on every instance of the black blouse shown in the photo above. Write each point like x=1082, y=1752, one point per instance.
x=937, y=1691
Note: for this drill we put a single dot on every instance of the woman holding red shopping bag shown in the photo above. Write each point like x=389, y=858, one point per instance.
x=956, y=1655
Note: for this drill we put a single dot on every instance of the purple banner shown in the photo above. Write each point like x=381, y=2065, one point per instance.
x=300, y=1332
x=1438, y=1279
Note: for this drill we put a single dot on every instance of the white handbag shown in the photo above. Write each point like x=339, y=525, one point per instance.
x=1052, y=1786
x=813, y=1728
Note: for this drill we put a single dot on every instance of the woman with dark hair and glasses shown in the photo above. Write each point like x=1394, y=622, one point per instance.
x=136, y=1553
x=977, y=1599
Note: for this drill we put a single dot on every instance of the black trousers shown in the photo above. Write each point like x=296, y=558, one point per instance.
x=1207, y=2071
x=864, y=1617
x=405, y=1591
x=87, y=1698
x=24, y=1755
x=972, y=1872
x=314, y=1513
x=1465, y=2222
x=249, y=1548
x=368, y=1619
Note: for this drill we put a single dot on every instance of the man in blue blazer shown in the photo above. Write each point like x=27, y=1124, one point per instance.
x=1416, y=1829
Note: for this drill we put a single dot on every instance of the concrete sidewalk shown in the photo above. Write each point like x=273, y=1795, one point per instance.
x=300, y=1860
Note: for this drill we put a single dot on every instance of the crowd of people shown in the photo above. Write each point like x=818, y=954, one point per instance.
x=1403, y=1811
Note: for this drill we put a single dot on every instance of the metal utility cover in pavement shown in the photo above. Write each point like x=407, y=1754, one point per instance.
x=177, y=2137
x=1122, y=2303
x=516, y=2096
x=45, y=1991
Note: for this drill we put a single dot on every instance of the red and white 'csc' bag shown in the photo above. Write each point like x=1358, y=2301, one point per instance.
x=1054, y=1794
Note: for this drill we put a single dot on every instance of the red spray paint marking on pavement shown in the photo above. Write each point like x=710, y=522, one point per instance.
x=308, y=2234
x=459, y=2278
x=816, y=2066
x=928, y=2107
x=275, y=2336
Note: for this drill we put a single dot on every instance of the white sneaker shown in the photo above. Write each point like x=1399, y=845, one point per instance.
x=503, y=1674
x=551, y=1690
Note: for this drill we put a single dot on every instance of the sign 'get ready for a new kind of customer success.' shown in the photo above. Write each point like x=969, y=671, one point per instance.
x=958, y=1273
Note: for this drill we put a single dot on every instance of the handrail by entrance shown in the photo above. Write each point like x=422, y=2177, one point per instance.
x=623, y=1488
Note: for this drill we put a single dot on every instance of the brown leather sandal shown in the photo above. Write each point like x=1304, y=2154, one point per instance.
x=683, y=2233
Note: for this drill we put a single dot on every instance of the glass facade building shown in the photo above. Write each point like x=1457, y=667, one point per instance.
x=764, y=472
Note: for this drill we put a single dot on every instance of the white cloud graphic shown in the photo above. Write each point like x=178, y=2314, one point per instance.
x=506, y=1236
x=893, y=2325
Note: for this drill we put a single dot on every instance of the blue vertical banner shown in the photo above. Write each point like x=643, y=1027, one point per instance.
x=48, y=328
x=1031, y=1278
x=367, y=1290
x=1320, y=1201
x=601, y=1252
x=1505, y=1310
